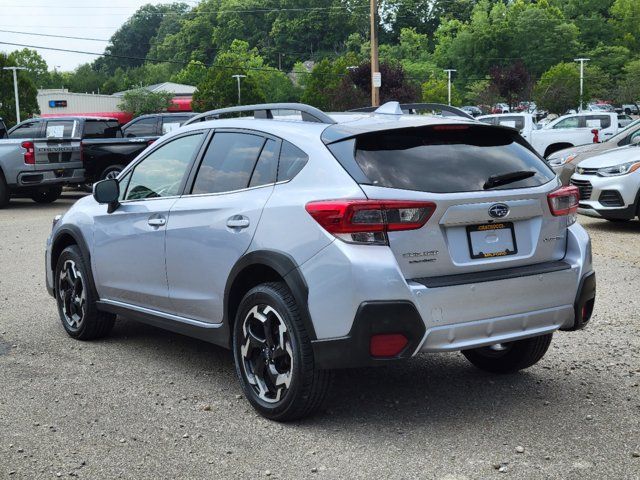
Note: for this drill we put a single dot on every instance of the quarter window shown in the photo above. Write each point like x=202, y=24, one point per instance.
x=162, y=172
x=228, y=163
x=292, y=160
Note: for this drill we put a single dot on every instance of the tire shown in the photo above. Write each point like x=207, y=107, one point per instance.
x=4, y=192
x=627, y=111
x=516, y=355
x=78, y=313
x=111, y=172
x=288, y=386
x=47, y=194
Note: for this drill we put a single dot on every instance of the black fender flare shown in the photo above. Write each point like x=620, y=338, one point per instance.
x=286, y=267
x=75, y=233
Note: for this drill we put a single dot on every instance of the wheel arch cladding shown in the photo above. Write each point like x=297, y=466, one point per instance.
x=263, y=266
x=65, y=237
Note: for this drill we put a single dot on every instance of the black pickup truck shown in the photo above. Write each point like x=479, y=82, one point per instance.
x=155, y=124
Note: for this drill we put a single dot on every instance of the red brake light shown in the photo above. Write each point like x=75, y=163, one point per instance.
x=564, y=201
x=387, y=345
x=367, y=221
x=30, y=153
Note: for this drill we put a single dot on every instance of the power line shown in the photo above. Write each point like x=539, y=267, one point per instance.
x=55, y=36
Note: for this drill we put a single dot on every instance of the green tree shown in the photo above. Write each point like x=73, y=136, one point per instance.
x=558, y=90
x=482, y=92
x=625, y=15
x=141, y=101
x=27, y=93
x=219, y=89
x=435, y=90
x=36, y=65
x=131, y=42
x=193, y=74
x=628, y=89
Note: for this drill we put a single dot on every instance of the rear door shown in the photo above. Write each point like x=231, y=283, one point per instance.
x=476, y=225
x=212, y=226
x=603, y=123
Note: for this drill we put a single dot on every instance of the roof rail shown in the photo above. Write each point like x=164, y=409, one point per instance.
x=414, y=107
x=265, y=110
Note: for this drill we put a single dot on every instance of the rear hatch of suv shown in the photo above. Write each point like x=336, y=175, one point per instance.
x=456, y=199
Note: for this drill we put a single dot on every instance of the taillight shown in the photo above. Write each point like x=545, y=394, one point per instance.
x=368, y=221
x=30, y=153
x=564, y=201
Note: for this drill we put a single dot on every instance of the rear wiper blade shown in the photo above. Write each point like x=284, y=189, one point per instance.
x=507, y=178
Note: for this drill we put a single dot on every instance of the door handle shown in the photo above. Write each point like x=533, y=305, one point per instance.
x=157, y=221
x=238, y=221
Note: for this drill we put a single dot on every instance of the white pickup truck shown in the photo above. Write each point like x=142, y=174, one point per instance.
x=563, y=132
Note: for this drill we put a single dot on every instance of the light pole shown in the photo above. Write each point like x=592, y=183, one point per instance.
x=238, y=77
x=449, y=72
x=375, y=67
x=15, y=88
x=582, y=61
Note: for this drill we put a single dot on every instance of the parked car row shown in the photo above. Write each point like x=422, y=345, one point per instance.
x=41, y=155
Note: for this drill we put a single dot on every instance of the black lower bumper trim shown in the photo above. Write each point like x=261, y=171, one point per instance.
x=585, y=301
x=493, y=275
x=372, y=318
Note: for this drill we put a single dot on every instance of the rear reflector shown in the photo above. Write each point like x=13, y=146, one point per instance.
x=30, y=153
x=367, y=221
x=564, y=201
x=387, y=345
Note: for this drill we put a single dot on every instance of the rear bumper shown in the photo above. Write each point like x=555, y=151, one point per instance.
x=442, y=314
x=50, y=177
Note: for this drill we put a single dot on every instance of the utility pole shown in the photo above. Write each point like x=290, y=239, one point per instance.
x=15, y=88
x=238, y=77
x=582, y=61
x=375, y=88
x=449, y=72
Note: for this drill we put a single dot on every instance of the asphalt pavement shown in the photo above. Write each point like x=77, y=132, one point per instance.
x=149, y=404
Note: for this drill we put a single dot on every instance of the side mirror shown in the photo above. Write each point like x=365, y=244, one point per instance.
x=107, y=192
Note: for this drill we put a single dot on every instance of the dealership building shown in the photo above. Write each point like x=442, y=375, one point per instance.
x=62, y=102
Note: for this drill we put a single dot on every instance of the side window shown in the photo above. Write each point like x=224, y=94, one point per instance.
x=598, y=121
x=292, y=160
x=490, y=121
x=26, y=130
x=171, y=123
x=571, y=122
x=267, y=166
x=145, y=127
x=102, y=129
x=161, y=173
x=513, y=122
x=61, y=128
x=228, y=163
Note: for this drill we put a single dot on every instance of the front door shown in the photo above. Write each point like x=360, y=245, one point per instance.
x=212, y=227
x=129, y=244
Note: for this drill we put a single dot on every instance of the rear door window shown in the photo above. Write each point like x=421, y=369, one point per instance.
x=228, y=163
x=102, y=129
x=61, y=129
x=598, y=121
x=512, y=121
x=445, y=158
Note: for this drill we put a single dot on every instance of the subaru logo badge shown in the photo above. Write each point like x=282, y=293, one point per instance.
x=499, y=210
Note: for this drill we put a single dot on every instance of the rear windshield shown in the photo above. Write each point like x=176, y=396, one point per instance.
x=102, y=129
x=445, y=159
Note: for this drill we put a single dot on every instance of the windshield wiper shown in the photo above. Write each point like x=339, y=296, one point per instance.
x=507, y=178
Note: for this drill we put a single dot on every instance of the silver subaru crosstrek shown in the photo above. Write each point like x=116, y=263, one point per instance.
x=309, y=242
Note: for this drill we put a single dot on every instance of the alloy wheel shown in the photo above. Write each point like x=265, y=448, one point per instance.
x=266, y=353
x=72, y=293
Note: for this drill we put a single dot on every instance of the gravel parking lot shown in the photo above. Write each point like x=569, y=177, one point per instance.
x=145, y=403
